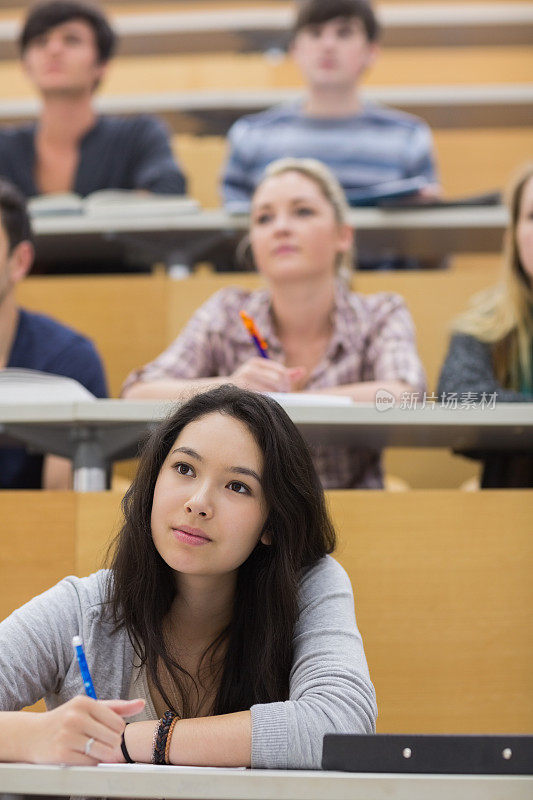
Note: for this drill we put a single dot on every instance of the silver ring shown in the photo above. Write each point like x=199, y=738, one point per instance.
x=88, y=744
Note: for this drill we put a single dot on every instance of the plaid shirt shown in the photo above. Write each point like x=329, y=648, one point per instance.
x=373, y=340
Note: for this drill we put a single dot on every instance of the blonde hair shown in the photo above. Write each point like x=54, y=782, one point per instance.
x=321, y=176
x=501, y=315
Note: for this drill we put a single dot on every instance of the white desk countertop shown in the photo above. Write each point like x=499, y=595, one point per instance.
x=218, y=220
x=95, y=432
x=220, y=784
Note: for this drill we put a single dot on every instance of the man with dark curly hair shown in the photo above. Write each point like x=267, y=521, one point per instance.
x=66, y=46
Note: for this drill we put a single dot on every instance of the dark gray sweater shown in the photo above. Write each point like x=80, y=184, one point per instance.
x=468, y=368
x=116, y=153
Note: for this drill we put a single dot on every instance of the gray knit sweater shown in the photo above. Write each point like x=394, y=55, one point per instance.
x=468, y=368
x=330, y=689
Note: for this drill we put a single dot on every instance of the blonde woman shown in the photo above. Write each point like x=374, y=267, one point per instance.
x=491, y=350
x=322, y=338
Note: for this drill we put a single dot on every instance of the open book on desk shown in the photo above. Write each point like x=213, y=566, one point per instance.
x=31, y=386
x=113, y=202
x=418, y=201
x=388, y=190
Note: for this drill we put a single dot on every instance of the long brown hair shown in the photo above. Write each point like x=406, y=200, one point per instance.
x=258, y=640
x=501, y=315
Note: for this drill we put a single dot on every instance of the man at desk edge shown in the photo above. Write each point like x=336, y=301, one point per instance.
x=34, y=341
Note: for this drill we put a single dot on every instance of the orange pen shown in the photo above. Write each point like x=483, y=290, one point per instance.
x=256, y=337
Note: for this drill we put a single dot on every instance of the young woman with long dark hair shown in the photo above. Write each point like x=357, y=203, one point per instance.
x=223, y=628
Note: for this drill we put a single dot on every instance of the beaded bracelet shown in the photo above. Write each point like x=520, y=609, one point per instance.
x=154, y=740
x=169, y=737
x=160, y=737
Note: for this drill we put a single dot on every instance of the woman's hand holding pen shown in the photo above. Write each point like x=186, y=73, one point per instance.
x=82, y=731
x=266, y=375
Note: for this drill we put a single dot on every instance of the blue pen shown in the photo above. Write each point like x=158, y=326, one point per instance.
x=84, y=669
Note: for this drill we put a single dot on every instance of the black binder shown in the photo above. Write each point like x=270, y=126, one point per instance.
x=436, y=754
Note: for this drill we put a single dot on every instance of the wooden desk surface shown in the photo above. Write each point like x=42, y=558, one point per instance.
x=188, y=238
x=116, y=427
x=468, y=217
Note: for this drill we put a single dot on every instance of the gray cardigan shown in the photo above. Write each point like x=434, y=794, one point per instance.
x=468, y=368
x=330, y=688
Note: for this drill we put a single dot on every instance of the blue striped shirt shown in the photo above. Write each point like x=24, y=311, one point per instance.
x=376, y=145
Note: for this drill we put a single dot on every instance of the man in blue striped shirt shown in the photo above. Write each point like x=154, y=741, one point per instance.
x=334, y=42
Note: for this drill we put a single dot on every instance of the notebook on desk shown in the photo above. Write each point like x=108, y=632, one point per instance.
x=419, y=201
x=112, y=202
x=424, y=753
x=386, y=191
x=30, y=385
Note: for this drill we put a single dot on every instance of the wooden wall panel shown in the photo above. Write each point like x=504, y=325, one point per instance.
x=444, y=600
x=442, y=582
x=227, y=71
x=480, y=160
x=124, y=316
x=98, y=520
x=37, y=535
x=202, y=159
x=144, y=7
x=15, y=8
